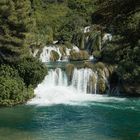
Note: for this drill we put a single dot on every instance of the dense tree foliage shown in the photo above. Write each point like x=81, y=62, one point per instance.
x=61, y=19
x=14, y=26
x=122, y=18
x=19, y=74
x=12, y=88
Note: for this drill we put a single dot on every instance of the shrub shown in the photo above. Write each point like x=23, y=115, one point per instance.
x=32, y=71
x=13, y=91
x=8, y=71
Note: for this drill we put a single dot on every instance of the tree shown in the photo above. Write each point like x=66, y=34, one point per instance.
x=15, y=21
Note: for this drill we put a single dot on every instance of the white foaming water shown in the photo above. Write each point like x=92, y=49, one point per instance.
x=87, y=29
x=106, y=37
x=81, y=81
x=45, y=56
x=55, y=89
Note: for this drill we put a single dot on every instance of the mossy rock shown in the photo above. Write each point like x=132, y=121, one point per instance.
x=100, y=65
x=79, y=56
x=69, y=71
x=101, y=86
x=62, y=49
x=88, y=65
x=54, y=56
x=107, y=72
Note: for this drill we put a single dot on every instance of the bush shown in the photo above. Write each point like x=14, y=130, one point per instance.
x=32, y=71
x=8, y=71
x=17, y=81
x=13, y=91
x=129, y=72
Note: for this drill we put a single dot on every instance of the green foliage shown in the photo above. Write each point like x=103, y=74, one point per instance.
x=13, y=91
x=14, y=26
x=122, y=17
x=17, y=81
x=8, y=71
x=61, y=20
x=12, y=88
x=129, y=72
x=31, y=70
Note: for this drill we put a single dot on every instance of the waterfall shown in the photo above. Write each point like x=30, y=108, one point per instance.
x=81, y=81
x=106, y=37
x=46, y=53
x=45, y=56
x=55, y=88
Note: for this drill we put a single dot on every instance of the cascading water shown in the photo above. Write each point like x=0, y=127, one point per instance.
x=82, y=81
x=45, y=56
x=46, y=53
x=56, y=90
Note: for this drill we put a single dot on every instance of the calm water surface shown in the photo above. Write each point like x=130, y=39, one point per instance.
x=106, y=120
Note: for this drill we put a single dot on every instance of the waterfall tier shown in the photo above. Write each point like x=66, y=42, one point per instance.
x=62, y=53
x=57, y=88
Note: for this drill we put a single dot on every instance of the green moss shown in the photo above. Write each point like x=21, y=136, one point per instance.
x=81, y=55
x=88, y=65
x=100, y=65
x=54, y=56
x=101, y=86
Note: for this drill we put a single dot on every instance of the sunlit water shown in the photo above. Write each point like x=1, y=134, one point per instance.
x=104, y=119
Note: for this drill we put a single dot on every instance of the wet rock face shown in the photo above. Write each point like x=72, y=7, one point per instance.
x=77, y=56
